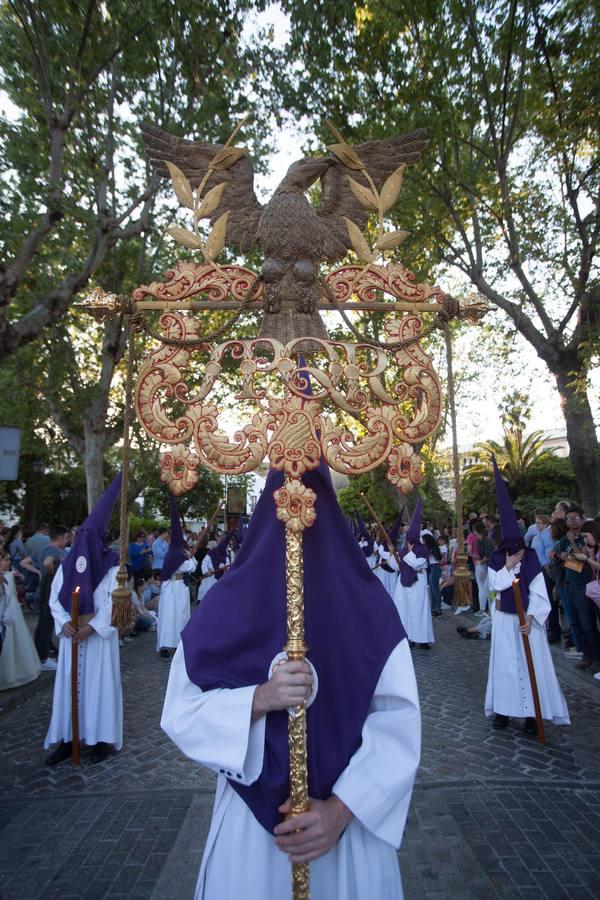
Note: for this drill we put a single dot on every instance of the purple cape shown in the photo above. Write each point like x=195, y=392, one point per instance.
x=408, y=576
x=176, y=554
x=530, y=567
x=218, y=554
x=351, y=623
x=89, y=559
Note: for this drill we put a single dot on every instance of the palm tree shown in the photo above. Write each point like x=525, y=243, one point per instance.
x=513, y=456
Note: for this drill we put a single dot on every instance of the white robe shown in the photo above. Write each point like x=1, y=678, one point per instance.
x=99, y=676
x=413, y=603
x=19, y=662
x=207, y=580
x=508, y=687
x=241, y=858
x=173, y=607
x=388, y=579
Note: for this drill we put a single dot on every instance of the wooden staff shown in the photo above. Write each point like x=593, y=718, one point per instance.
x=211, y=522
x=382, y=530
x=539, y=722
x=74, y=673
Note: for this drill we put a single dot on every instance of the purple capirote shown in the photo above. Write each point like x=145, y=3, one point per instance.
x=176, y=554
x=90, y=559
x=351, y=626
x=408, y=576
x=512, y=541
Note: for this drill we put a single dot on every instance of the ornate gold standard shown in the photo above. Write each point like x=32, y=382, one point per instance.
x=291, y=379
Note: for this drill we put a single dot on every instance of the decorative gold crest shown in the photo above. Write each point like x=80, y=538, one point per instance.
x=295, y=505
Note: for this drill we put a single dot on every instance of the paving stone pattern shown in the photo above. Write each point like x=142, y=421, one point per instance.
x=494, y=814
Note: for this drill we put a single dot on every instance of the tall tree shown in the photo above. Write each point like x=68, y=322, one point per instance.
x=509, y=192
x=78, y=202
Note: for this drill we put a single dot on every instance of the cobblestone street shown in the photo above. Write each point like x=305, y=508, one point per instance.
x=493, y=814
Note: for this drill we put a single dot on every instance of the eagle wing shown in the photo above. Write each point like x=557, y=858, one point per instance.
x=194, y=158
x=380, y=159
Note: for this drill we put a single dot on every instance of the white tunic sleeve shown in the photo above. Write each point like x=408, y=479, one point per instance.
x=500, y=580
x=415, y=562
x=59, y=613
x=207, y=565
x=377, y=783
x=188, y=566
x=539, y=604
x=214, y=728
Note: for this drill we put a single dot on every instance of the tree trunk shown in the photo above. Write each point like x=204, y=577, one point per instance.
x=93, y=460
x=584, y=449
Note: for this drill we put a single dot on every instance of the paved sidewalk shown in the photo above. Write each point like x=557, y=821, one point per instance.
x=494, y=815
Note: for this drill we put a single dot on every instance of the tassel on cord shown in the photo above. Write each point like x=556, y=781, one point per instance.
x=121, y=596
x=460, y=571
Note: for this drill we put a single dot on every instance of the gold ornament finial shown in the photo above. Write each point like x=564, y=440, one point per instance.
x=104, y=305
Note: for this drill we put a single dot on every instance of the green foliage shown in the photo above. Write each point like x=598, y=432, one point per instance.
x=542, y=485
x=550, y=478
x=79, y=203
x=514, y=457
x=435, y=508
x=506, y=196
x=351, y=501
x=199, y=503
x=145, y=523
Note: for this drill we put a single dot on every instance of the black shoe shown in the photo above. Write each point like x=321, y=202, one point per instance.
x=469, y=635
x=425, y=646
x=500, y=721
x=164, y=653
x=62, y=752
x=436, y=612
x=530, y=726
x=462, y=629
x=99, y=752
x=411, y=644
x=554, y=639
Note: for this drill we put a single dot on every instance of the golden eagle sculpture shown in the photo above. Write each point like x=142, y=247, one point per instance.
x=293, y=235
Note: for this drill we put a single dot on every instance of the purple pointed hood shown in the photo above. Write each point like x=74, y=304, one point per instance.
x=218, y=554
x=90, y=559
x=394, y=532
x=362, y=533
x=233, y=636
x=408, y=576
x=512, y=541
x=176, y=554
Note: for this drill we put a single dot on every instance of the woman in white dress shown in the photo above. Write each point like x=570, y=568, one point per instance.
x=19, y=662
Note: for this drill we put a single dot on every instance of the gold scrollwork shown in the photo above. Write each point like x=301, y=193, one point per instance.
x=179, y=469
x=393, y=278
x=404, y=468
x=188, y=279
x=295, y=506
x=294, y=446
x=350, y=456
